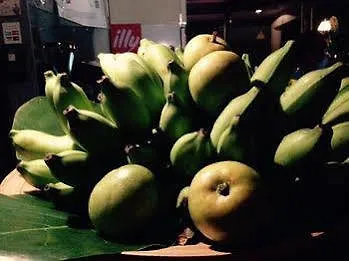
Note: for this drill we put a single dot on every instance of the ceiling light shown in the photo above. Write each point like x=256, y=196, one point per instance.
x=258, y=11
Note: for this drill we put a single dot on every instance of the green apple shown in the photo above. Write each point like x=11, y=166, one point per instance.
x=226, y=203
x=201, y=45
x=124, y=201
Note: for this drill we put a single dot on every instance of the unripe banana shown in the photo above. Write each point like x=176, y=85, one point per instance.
x=92, y=131
x=33, y=144
x=182, y=199
x=68, y=93
x=130, y=70
x=308, y=98
x=299, y=146
x=36, y=173
x=158, y=56
x=340, y=141
x=344, y=84
x=236, y=142
x=191, y=152
x=51, y=82
x=339, y=107
x=275, y=70
x=237, y=106
x=175, y=121
x=171, y=70
x=70, y=167
x=246, y=58
x=143, y=45
x=176, y=80
x=125, y=108
x=68, y=198
x=179, y=51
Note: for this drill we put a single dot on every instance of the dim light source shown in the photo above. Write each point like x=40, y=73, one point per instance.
x=324, y=26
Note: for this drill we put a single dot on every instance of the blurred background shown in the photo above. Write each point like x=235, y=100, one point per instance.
x=65, y=35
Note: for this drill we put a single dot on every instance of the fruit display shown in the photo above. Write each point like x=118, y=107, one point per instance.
x=191, y=137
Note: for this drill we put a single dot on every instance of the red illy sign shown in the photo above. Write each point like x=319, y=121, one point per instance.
x=125, y=37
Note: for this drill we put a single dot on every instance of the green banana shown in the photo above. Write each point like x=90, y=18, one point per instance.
x=36, y=173
x=125, y=108
x=169, y=67
x=68, y=198
x=299, y=146
x=182, y=199
x=143, y=45
x=68, y=93
x=309, y=97
x=70, y=167
x=340, y=141
x=92, y=131
x=179, y=51
x=175, y=121
x=191, y=152
x=339, y=107
x=33, y=144
x=51, y=82
x=246, y=58
x=130, y=70
x=176, y=80
x=275, y=70
x=344, y=84
x=236, y=143
x=236, y=107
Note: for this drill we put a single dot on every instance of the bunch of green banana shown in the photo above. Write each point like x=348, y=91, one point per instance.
x=63, y=93
x=170, y=68
x=70, y=167
x=175, y=120
x=275, y=70
x=92, y=131
x=307, y=99
x=340, y=141
x=302, y=147
x=191, y=152
x=33, y=144
x=124, y=107
x=36, y=173
x=237, y=106
x=236, y=143
x=339, y=107
x=131, y=71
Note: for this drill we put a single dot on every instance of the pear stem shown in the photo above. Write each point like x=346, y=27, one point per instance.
x=223, y=189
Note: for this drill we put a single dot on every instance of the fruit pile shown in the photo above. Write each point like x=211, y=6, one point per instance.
x=194, y=134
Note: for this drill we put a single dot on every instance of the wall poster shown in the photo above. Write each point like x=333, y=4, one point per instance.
x=12, y=33
x=10, y=8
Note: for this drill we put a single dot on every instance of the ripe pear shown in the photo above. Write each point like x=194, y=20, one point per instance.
x=216, y=79
x=201, y=45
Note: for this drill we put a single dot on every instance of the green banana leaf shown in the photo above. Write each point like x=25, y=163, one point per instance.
x=32, y=229
x=37, y=114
